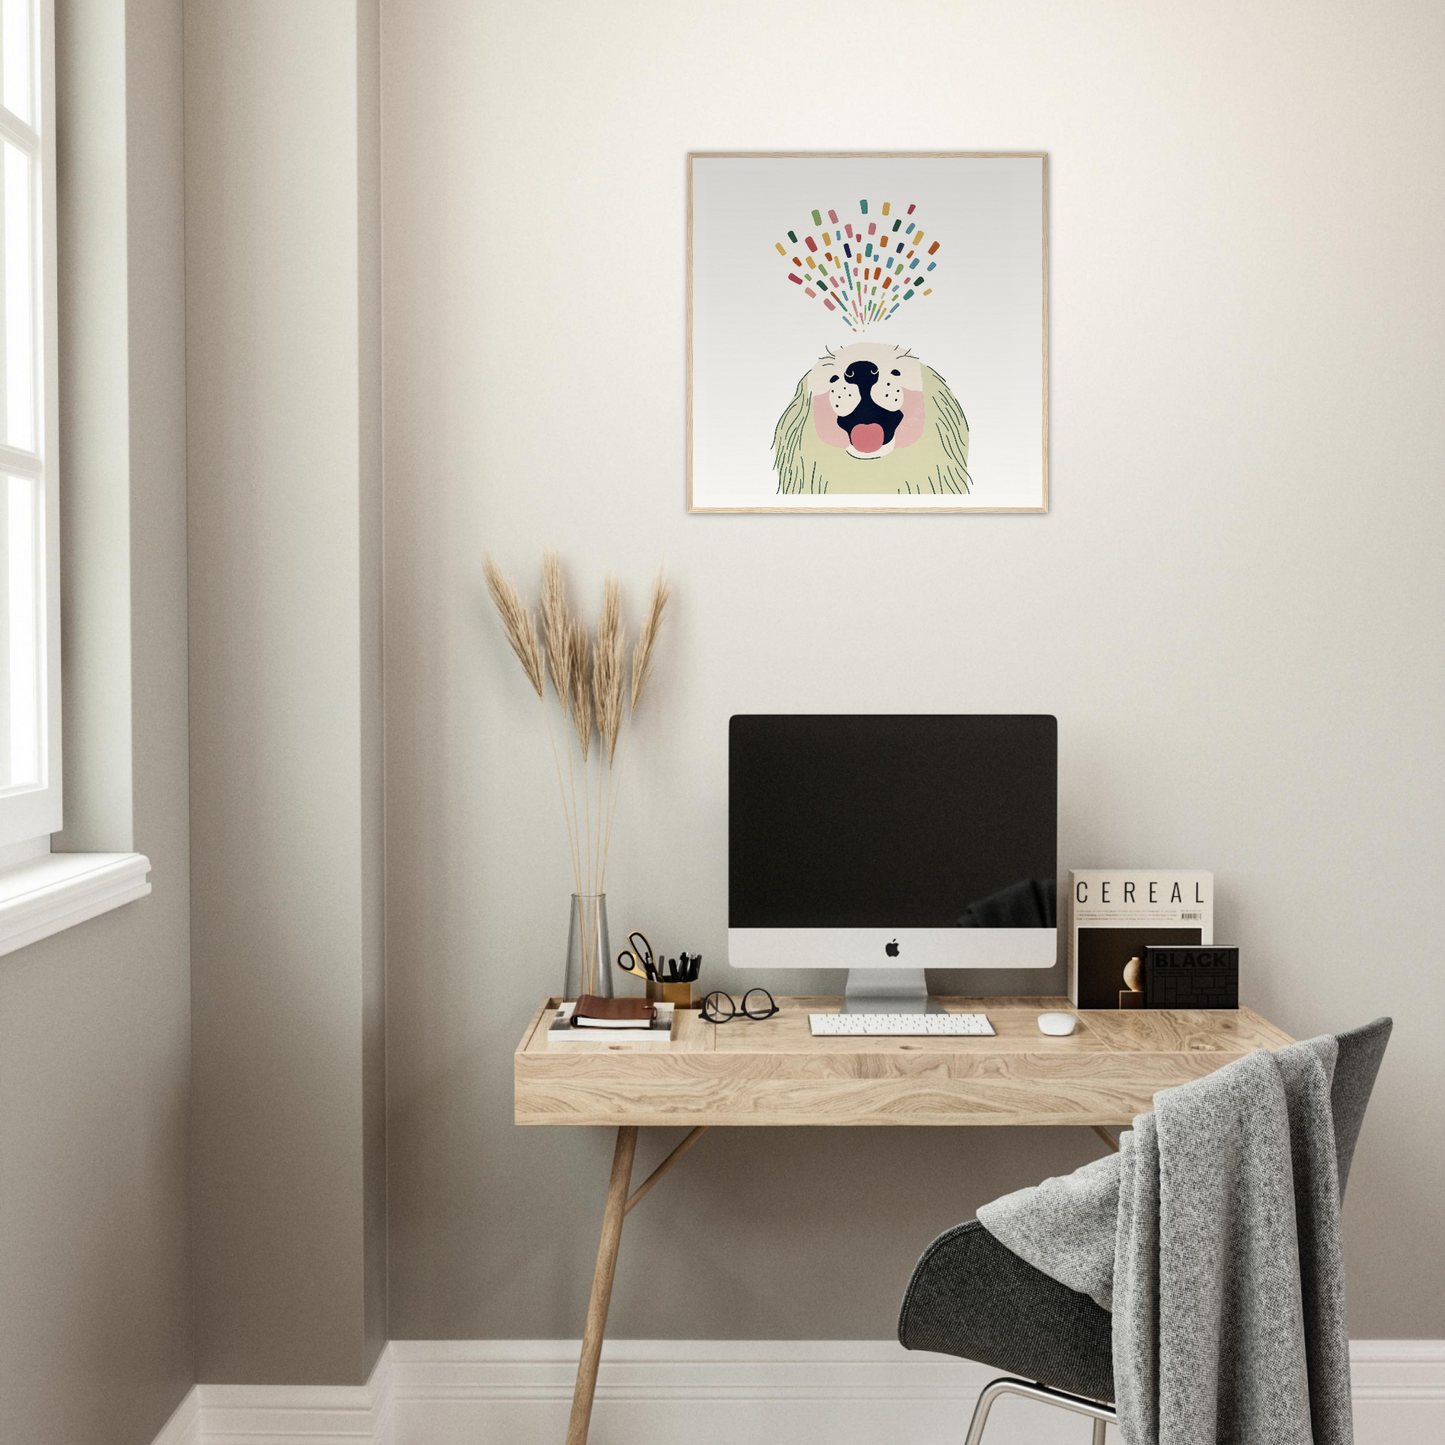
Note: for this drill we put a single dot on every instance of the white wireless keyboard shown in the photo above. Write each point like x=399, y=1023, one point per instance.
x=899, y=1025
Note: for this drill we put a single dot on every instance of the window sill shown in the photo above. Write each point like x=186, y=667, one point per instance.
x=59, y=890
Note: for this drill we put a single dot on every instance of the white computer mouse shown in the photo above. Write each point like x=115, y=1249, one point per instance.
x=1057, y=1023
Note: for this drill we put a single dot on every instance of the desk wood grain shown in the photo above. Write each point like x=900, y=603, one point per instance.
x=773, y=1072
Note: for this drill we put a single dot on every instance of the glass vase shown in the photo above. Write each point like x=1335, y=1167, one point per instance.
x=589, y=952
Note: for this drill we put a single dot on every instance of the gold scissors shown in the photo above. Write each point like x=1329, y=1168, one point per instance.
x=638, y=957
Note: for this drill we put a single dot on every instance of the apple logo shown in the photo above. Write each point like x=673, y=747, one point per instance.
x=891, y=949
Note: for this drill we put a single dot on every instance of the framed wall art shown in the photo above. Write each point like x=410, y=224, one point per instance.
x=867, y=332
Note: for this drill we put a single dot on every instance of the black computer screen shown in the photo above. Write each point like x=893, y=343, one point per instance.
x=914, y=821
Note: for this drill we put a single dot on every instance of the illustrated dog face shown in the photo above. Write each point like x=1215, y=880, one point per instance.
x=868, y=398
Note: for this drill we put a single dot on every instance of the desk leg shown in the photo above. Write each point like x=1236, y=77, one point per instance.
x=612, y=1216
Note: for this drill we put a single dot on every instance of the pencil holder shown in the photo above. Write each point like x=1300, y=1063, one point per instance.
x=679, y=994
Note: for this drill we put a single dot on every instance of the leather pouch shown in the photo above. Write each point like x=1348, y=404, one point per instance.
x=594, y=1012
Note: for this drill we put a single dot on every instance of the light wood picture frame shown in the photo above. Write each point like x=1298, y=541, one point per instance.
x=908, y=290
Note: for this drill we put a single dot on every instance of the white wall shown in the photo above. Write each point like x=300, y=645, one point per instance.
x=1234, y=606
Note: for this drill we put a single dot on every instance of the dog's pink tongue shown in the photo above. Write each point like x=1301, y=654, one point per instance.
x=866, y=437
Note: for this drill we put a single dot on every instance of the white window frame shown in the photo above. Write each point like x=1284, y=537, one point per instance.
x=42, y=892
x=29, y=815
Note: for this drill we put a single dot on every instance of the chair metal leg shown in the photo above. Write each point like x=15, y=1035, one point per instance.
x=980, y=1411
x=1100, y=1414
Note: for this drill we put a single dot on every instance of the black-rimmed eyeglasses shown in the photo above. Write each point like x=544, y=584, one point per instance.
x=719, y=1008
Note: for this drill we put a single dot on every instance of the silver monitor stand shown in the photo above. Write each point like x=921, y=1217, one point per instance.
x=887, y=991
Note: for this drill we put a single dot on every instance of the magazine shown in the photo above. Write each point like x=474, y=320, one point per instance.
x=1114, y=913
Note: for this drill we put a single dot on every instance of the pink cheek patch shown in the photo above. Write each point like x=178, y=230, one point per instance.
x=829, y=432
x=914, y=415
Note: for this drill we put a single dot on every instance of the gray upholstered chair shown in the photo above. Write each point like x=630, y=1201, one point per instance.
x=972, y=1297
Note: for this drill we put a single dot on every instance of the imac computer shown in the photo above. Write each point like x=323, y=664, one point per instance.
x=890, y=844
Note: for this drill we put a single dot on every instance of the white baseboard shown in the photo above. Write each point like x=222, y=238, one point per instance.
x=184, y=1427
x=714, y=1392
x=288, y=1414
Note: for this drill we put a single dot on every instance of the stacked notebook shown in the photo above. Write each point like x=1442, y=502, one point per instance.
x=611, y=1026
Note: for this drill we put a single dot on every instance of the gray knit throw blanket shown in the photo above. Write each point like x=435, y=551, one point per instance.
x=1214, y=1237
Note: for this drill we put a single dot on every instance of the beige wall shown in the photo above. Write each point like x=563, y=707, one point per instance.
x=369, y=623
x=1234, y=607
x=282, y=321
x=95, y=1344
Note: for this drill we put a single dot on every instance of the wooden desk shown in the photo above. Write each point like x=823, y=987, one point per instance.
x=774, y=1072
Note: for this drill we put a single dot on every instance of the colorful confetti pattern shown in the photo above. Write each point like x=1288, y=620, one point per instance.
x=864, y=266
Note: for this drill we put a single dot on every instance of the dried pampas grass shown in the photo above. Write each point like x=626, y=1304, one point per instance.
x=579, y=685
x=589, y=681
x=516, y=623
x=647, y=636
x=608, y=669
x=555, y=634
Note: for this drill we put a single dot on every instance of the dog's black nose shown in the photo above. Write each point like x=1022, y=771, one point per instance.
x=862, y=374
